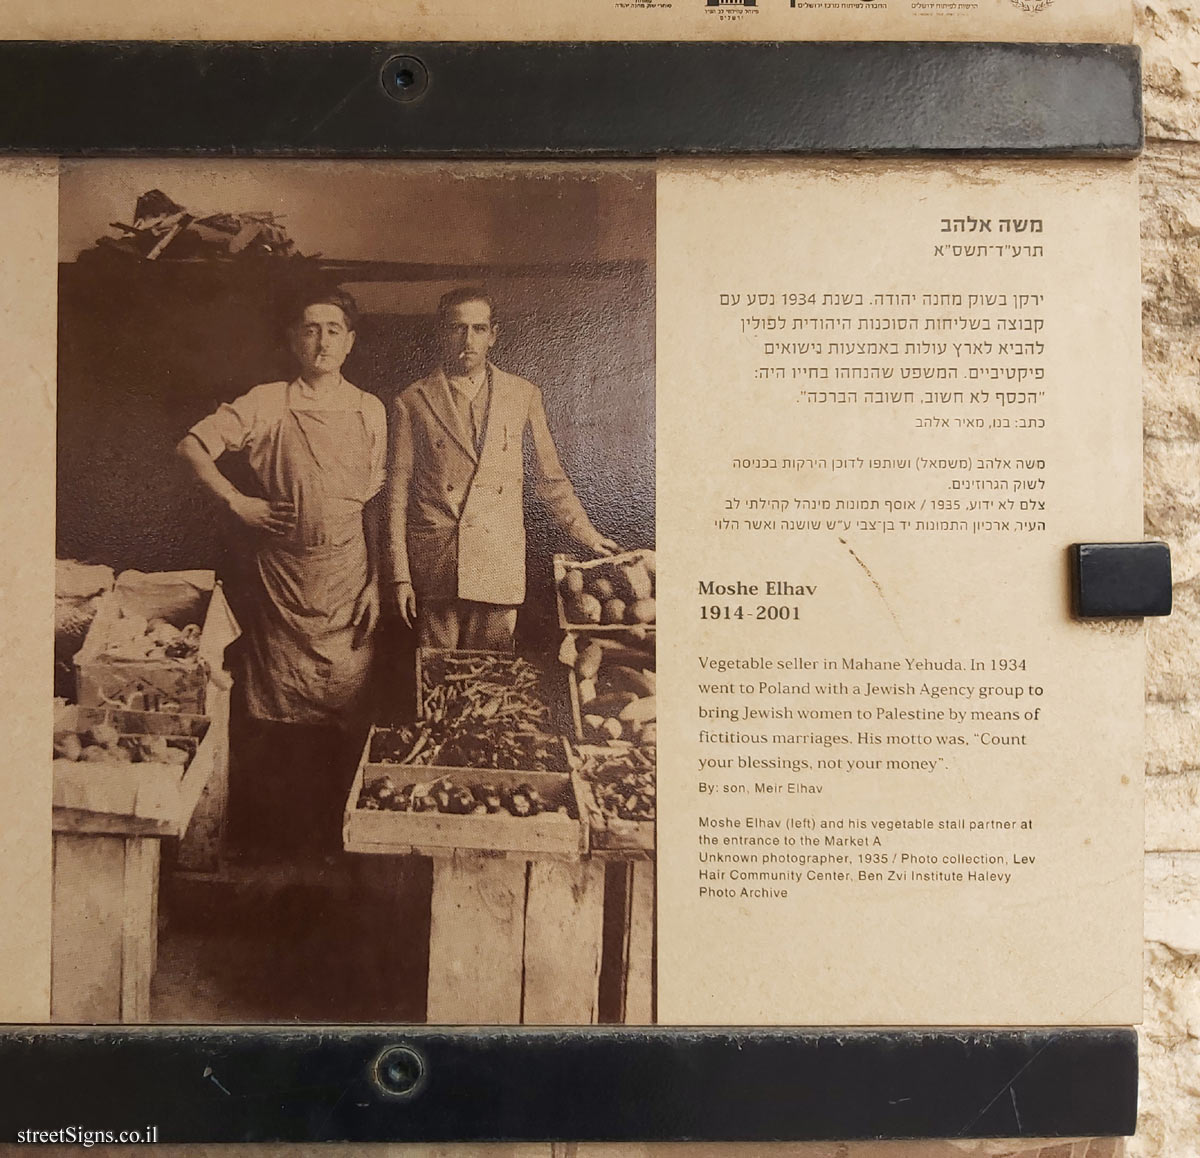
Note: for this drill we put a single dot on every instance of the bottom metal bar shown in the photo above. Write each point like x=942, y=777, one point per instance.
x=472, y=1085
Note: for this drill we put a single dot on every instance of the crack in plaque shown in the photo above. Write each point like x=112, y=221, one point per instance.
x=875, y=584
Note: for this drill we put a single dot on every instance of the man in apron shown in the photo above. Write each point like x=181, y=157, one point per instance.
x=316, y=447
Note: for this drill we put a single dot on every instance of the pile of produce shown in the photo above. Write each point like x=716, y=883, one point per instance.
x=133, y=637
x=444, y=795
x=617, y=688
x=610, y=592
x=164, y=228
x=479, y=710
x=103, y=744
x=78, y=590
x=623, y=782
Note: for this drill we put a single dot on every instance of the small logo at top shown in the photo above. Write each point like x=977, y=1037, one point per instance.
x=731, y=9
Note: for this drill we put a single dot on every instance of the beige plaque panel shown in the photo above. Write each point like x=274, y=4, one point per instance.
x=415, y=20
x=889, y=396
x=29, y=206
x=899, y=784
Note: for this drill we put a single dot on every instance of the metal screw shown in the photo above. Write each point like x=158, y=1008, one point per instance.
x=399, y=1071
x=404, y=78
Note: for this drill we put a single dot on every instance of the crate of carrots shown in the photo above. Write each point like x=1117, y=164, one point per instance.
x=481, y=768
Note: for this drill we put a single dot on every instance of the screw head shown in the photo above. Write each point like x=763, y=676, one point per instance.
x=404, y=78
x=399, y=1071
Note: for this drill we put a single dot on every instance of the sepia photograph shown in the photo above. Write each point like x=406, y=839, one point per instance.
x=354, y=658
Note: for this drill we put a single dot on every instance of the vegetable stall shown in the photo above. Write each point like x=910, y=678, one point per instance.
x=537, y=831
x=142, y=755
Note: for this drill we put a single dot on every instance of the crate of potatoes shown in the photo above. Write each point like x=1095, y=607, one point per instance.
x=607, y=596
x=613, y=688
x=125, y=771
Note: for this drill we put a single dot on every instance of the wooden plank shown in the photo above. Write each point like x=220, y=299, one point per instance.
x=201, y=846
x=88, y=913
x=639, y=956
x=444, y=833
x=76, y=821
x=138, y=932
x=154, y=883
x=402, y=851
x=476, y=938
x=564, y=921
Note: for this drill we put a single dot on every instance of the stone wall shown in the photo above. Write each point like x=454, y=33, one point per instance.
x=1169, y=1122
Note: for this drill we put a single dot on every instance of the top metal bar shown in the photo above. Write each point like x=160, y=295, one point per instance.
x=577, y=100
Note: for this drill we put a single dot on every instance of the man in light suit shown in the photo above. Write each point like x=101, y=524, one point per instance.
x=456, y=537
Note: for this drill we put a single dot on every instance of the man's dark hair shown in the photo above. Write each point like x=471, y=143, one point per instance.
x=461, y=296
x=322, y=296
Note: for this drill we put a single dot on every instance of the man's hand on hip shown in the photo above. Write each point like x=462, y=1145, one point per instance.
x=278, y=518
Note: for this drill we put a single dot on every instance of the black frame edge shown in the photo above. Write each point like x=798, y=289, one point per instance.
x=571, y=100
x=208, y=1084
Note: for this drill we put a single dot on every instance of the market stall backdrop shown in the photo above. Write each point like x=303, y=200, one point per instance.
x=147, y=347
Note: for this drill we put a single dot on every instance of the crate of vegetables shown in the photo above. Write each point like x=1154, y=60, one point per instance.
x=612, y=685
x=140, y=772
x=609, y=595
x=400, y=803
x=617, y=785
x=157, y=643
x=486, y=709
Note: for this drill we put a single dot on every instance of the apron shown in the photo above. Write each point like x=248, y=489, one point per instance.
x=300, y=663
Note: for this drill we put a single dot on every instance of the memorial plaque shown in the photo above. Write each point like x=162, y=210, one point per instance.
x=392, y=499
x=889, y=395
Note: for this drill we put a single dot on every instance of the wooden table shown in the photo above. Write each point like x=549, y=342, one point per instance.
x=515, y=941
x=523, y=940
x=518, y=906
x=108, y=824
x=105, y=924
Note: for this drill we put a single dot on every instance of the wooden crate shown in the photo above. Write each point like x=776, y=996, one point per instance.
x=560, y=569
x=425, y=654
x=180, y=685
x=612, y=834
x=438, y=833
x=130, y=799
x=578, y=708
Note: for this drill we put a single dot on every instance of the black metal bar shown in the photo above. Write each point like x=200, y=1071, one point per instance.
x=568, y=100
x=311, y=1084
